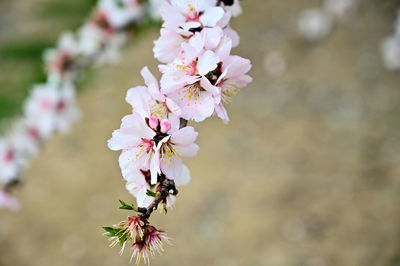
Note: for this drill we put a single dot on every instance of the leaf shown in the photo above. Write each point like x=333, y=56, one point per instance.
x=112, y=231
x=125, y=206
x=151, y=193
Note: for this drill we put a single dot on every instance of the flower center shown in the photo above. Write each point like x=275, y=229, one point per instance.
x=192, y=14
x=33, y=132
x=167, y=152
x=9, y=156
x=191, y=93
x=189, y=69
x=146, y=145
x=60, y=106
x=158, y=110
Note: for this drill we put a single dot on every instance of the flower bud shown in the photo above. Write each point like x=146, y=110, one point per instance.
x=153, y=122
x=165, y=125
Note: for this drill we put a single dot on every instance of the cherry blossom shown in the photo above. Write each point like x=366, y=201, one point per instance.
x=9, y=162
x=145, y=148
x=190, y=14
x=51, y=109
x=199, y=75
x=59, y=61
x=149, y=101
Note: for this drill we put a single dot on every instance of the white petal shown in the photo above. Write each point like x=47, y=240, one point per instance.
x=184, y=178
x=224, y=49
x=171, y=166
x=222, y=113
x=206, y=108
x=121, y=140
x=197, y=41
x=171, y=15
x=173, y=107
x=136, y=125
x=207, y=62
x=212, y=37
x=238, y=66
x=184, y=136
x=155, y=167
x=189, y=151
x=211, y=16
x=149, y=79
x=206, y=84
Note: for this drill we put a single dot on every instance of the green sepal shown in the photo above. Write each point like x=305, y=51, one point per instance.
x=125, y=206
x=151, y=193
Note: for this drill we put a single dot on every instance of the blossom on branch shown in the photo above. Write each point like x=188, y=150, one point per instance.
x=199, y=75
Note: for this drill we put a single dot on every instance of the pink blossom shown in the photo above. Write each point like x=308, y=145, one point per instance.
x=155, y=239
x=26, y=138
x=51, y=109
x=60, y=60
x=119, y=13
x=149, y=101
x=173, y=148
x=140, y=251
x=190, y=14
x=184, y=81
x=138, y=182
x=144, y=148
x=10, y=162
x=169, y=44
x=149, y=244
x=135, y=139
x=232, y=78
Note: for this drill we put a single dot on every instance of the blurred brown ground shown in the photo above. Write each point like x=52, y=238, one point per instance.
x=306, y=173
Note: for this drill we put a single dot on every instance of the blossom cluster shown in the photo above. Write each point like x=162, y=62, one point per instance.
x=51, y=107
x=390, y=47
x=317, y=23
x=199, y=76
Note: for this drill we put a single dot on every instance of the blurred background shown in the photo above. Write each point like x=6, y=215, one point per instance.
x=306, y=173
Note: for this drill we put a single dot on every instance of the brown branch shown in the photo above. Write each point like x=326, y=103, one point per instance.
x=167, y=188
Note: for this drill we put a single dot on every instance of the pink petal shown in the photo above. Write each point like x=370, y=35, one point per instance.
x=207, y=62
x=189, y=151
x=184, y=136
x=171, y=167
x=136, y=125
x=121, y=140
x=155, y=167
x=212, y=37
x=224, y=49
x=206, y=84
x=206, y=107
x=238, y=66
x=171, y=15
x=173, y=107
x=184, y=178
x=149, y=79
x=197, y=41
x=222, y=113
x=233, y=35
x=211, y=16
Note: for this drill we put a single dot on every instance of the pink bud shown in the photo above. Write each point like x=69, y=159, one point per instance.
x=165, y=126
x=153, y=122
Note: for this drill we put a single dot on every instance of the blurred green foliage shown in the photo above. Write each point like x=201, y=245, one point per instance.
x=21, y=54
